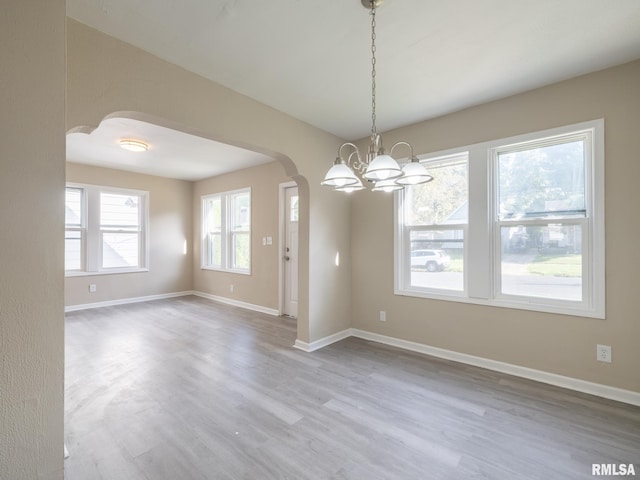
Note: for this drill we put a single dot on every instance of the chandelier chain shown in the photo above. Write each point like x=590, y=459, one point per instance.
x=354, y=172
x=373, y=70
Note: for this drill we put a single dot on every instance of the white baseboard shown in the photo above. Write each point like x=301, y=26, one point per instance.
x=323, y=342
x=605, y=391
x=238, y=303
x=124, y=301
x=216, y=298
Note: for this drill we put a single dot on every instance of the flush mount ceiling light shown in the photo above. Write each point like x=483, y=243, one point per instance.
x=133, y=145
x=347, y=175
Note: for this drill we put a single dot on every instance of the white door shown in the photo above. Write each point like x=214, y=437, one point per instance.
x=290, y=254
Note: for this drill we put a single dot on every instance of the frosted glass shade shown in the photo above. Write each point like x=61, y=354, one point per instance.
x=351, y=188
x=414, y=173
x=388, y=186
x=339, y=175
x=383, y=167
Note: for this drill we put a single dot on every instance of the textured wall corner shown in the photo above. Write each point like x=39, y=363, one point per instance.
x=32, y=163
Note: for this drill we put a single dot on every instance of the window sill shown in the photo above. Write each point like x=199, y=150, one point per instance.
x=113, y=271
x=225, y=270
x=521, y=304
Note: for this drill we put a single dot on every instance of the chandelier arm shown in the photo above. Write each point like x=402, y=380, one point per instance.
x=349, y=144
x=358, y=165
x=407, y=144
x=354, y=163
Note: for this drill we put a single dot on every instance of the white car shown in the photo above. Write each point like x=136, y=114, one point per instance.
x=432, y=260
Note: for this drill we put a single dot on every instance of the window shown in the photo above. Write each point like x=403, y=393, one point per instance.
x=434, y=224
x=517, y=222
x=120, y=230
x=105, y=230
x=212, y=231
x=74, y=235
x=540, y=217
x=295, y=209
x=226, y=231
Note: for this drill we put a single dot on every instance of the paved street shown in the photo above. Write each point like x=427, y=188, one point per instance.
x=515, y=281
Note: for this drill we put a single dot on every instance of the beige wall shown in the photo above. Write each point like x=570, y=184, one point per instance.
x=32, y=102
x=169, y=227
x=261, y=287
x=174, y=217
x=105, y=75
x=559, y=344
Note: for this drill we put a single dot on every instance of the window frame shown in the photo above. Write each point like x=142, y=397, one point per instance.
x=81, y=228
x=205, y=263
x=402, y=274
x=91, y=255
x=482, y=241
x=227, y=232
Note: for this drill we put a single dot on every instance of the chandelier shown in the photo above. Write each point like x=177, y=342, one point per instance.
x=378, y=168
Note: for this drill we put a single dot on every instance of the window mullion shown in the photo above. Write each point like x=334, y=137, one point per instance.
x=94, y=235
x=226, y=236
x=224, y=229
x=132, y=256
x=535, y=234
x=478, y=251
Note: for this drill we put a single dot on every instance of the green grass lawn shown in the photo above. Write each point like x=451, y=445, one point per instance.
x=557, y=265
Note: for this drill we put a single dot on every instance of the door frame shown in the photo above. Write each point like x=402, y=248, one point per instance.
x=281, y=236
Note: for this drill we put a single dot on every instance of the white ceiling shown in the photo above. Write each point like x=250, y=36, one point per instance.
x=311, y=59
x=171, y=153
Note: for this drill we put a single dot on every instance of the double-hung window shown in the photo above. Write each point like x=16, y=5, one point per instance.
x=530, y=233
x=433, y=227
x=105, y=230
x=120, y=230
x=75, y=229
x=226, y=231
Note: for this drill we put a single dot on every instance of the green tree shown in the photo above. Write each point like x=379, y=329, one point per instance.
x=433, y=203
x=542, y=180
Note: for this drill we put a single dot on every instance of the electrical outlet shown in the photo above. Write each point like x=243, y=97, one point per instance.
x=383, y=316
x=92, y=288
x=603, y=353
x=231, y=288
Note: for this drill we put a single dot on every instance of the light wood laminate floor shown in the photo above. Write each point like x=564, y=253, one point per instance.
x=186, y=388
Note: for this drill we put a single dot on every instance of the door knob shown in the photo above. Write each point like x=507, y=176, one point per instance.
x=286, y=258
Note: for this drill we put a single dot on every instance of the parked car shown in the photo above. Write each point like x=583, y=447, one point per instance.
x=432, y=260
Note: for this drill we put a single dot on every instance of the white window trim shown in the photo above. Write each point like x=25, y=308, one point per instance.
x=82, y=229
x=402, y=267
x=204, y=247
x=225, y=232
x=481, y=255
x=92, y=253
